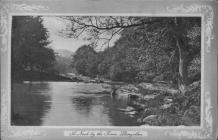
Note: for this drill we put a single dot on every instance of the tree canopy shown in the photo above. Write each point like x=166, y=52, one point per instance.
x=148, y=48
x=30, y=51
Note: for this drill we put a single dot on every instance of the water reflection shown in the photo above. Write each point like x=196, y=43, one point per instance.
x=118, y=117
x=29, y=103
x=67, y=104
x=83, y=103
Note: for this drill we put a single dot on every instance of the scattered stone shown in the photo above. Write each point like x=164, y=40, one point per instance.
x=165, y=106
x=155, y=99
x=146, y=85
x=133, y=96
x=149, y=97
x=147, y=111
x=129, y=108
x=131, y=112
x=130, y=87
x=194, y=86
x=139, y=120
x=130, y=90
x=121, y=91
x=138, y=105
x=168, y=99
x=132, y=116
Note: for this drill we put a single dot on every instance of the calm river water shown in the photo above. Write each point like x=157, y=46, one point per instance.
x=67, y=104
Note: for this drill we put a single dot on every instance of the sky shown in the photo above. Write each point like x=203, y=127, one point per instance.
x=55, y=25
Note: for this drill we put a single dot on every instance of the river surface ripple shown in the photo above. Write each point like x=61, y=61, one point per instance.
x=67, y=104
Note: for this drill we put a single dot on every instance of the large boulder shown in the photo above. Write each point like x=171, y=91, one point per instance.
x=149, y=111
x=151, y=120
x=131, y=91
x=130, y=88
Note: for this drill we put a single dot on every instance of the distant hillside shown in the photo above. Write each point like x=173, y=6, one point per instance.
x=64, y=53
x=63, y=61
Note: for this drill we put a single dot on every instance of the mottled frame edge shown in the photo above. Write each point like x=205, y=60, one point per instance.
x=209, y=117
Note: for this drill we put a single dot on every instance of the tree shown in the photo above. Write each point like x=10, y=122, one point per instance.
x=30, y=49
x=84, y=61
x=166, y=33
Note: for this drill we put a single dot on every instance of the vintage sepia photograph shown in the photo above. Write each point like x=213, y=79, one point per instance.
x=105, y=70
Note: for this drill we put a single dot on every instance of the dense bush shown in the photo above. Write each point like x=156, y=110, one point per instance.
x=30, y=50
x=136, y=62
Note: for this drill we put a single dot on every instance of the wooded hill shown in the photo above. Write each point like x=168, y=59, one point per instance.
x=148, y=49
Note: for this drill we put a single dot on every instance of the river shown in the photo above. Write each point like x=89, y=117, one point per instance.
x=67, y=104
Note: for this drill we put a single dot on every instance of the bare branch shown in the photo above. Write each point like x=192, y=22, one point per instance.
x=106, y=28
x=80, y=32
x=121, y=25
x=96, y=21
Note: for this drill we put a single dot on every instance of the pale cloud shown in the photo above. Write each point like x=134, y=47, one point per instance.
x=54, y=25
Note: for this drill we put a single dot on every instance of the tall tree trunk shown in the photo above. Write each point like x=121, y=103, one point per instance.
x=183, y=67
x=181, y=44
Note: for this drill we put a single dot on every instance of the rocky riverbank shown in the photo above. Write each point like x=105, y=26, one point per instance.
x=162, y=105
x=158, y=104
x=40, y=76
